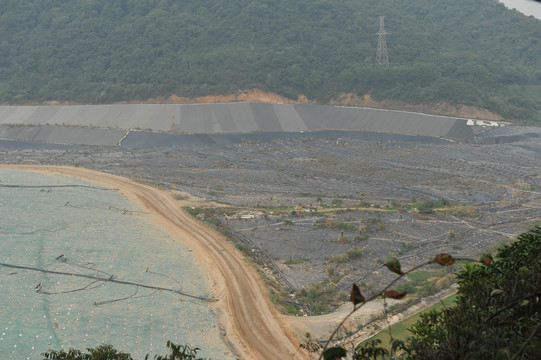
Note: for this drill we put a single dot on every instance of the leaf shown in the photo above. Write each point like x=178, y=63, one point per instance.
x=356, y=297
x=496, y=292
x=523, y=272
x=486, y=259
x=524, y=302
x=393, y=294
x=398, y=345
x=394, y=265
x=444, y=259
x=334, y=353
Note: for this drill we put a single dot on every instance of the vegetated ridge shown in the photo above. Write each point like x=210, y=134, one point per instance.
x=442, y=54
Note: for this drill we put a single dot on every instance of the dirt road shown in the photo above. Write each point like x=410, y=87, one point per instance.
x=249, y=322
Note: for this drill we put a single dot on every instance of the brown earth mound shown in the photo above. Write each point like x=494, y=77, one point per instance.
x=344, y=99
x=244, y=95
x=442, y=108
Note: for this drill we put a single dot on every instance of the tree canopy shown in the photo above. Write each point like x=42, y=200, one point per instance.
x=100, y=51
x=498, y=312
x=108, y=352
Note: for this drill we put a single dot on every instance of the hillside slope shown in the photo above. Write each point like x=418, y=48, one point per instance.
x=474, y=53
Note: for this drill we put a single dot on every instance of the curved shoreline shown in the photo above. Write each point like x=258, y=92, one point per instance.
x=249, y=322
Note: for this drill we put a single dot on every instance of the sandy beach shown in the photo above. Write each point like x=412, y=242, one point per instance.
x=250, y=324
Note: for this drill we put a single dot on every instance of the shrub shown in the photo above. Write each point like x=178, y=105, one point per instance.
x=349, y=255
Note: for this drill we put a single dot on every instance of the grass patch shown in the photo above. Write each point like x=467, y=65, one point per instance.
x=461, y=211
x=296, y=261
x=405, y=248
x=181, y=197
x=491, y=249
x=350, y=255
x=214, y=221
x=418, y=277
x=336, y=202
x=400, y=330
x=363, y=235
x=279, y=296
x=336, y=225
x=321, y=297
x=418, y=282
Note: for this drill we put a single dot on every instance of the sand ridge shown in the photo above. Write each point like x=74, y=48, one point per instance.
x=249, y=322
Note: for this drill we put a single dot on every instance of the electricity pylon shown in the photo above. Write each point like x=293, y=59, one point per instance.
x=382, y=59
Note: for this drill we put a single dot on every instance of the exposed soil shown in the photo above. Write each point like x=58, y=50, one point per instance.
x=244, y=95
x=442, y=108
x=344, y=99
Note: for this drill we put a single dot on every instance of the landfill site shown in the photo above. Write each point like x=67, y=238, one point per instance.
x=317, y=196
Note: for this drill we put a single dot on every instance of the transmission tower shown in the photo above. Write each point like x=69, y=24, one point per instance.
x=382, y=59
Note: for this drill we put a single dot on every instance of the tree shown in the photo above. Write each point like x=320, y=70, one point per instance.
x=103, y=352
x=107, y=352
x=498, y=312
x=178, y=352
x=427, y=207
x=102, y=51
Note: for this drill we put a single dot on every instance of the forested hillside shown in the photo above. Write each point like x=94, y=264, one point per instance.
x=472, y=52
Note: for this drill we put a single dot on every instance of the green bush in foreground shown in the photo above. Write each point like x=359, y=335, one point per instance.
x=497, y=314
x=107, y=352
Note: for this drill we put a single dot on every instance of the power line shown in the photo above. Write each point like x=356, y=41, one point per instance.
x=110, y=279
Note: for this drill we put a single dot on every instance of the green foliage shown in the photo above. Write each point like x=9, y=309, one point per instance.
x=463, y=211
x=336, y=225
x=407, y=287
x=349, y=255
x=178, y=352
x=393, y=264
x=101, y=51
x=107, y=352
x=427, y=206
x=372, y=350
x=406, y=247
x=419, y=277
x=334, y=353
x=498, y=313
x=103, y=352
x=363, y=235
x=375, y=224
x=214, y=221
x=296, y=261
x=321, y=297
x=345, y=226
x=336, y=202
x=207, y=214
x=400, y=331
x=243, y=248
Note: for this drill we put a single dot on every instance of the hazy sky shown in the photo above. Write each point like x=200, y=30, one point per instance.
x=528, y=7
